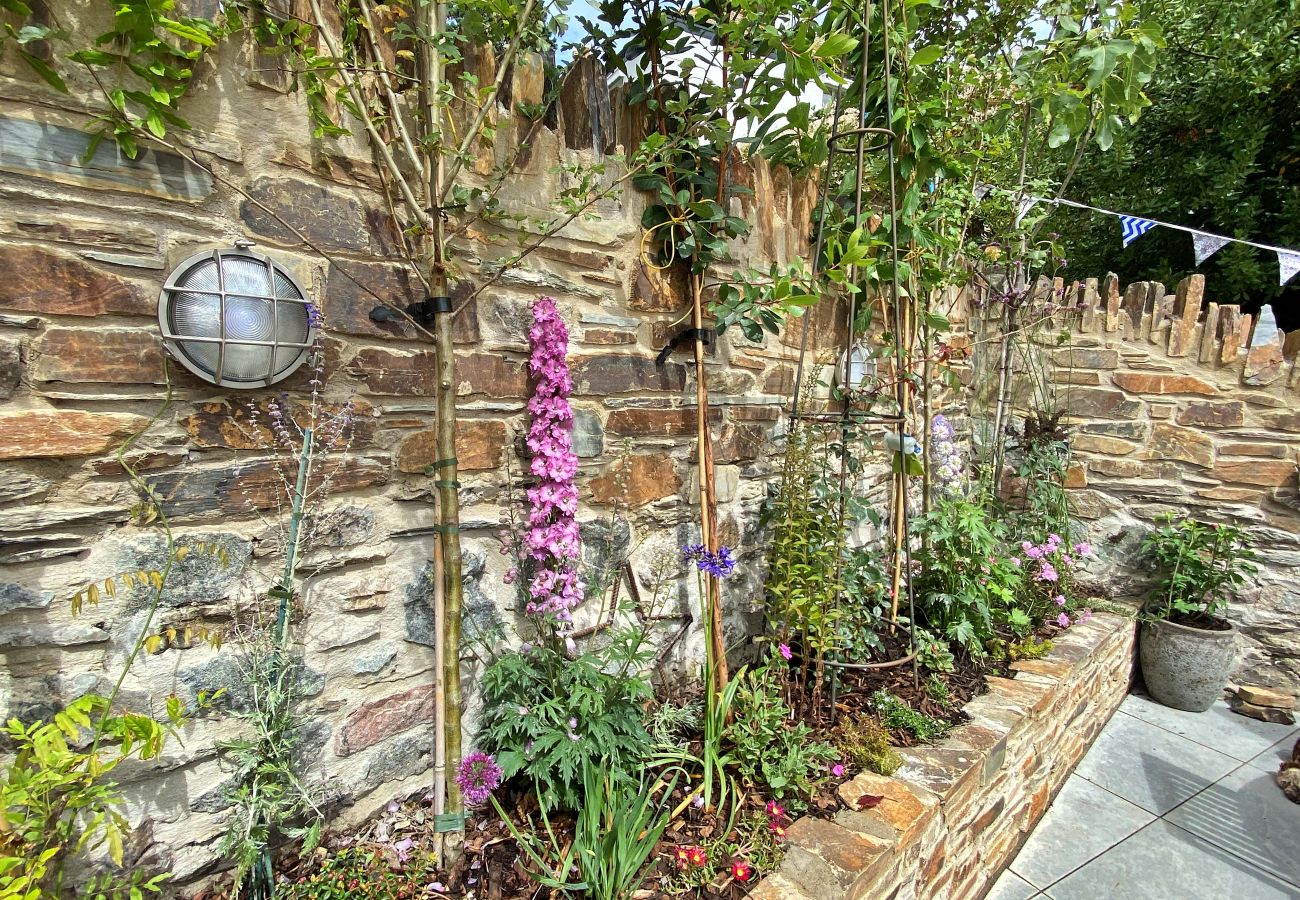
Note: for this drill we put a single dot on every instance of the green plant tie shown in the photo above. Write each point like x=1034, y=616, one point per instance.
x=449, y=822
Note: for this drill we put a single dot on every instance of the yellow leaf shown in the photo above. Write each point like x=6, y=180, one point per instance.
x=153, y=643
x=157, y=579
x=171, y=635
x=92, y=594
x=115, y=844
x=181, y=553
x=76, y=604
x=110, y=587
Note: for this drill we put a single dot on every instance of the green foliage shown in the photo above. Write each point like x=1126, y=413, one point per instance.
x=937, y=690
x=616, y=830
x=266, y=790
x=143, y=65
x=898, y=717
x=862, y=741
x=766, y=53
x=1044, y=507
x=966, y=588
x=1198, y=565
x=771, y=751
x=1028, y=647
x=864, y=605
x=60, y=802
x=359, y=874
x=548, y=717
x=1217, y=150
x=808, y=545
x=671, y=724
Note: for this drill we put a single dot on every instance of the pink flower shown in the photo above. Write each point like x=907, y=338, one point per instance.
x=1015, y=561
x=784, y=650
x=1059, y=599
x=1047, y=573
x=1085, y=615
x=1034, y=552
x=774, y=810
x=552, y=541
x=1083, y=549
x=1063, y=620
x=837, y=770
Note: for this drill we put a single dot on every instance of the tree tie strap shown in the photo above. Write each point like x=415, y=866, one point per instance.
x=706, y=335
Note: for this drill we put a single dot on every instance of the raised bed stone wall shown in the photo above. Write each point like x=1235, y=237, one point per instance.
x=949, y=820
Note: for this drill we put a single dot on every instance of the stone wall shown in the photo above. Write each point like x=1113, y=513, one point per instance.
x=85, y=247
x=947, y=822
x=1183, y=405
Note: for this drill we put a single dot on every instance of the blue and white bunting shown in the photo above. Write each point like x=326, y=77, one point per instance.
x=1206, y=245
x=1134, y=227
x=1288, y=264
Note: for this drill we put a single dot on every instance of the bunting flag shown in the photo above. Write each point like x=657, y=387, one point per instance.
x=1206, y=245
x=1134, y=227
x=1288, y=264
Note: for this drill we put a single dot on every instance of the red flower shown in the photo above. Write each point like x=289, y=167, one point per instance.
x=775, y=810
x=698, y=856
x=741, y=870
x=777, y=829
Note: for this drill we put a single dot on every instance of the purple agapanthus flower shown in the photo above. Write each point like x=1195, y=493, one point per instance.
x=719, y=565
x=478, y=776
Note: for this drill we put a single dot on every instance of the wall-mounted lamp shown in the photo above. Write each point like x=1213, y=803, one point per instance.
x=236, y=319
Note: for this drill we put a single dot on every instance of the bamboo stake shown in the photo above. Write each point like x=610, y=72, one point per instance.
x=708, y=508
x=434, y=15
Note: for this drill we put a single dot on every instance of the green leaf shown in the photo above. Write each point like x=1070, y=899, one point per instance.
x=927, y=55
x=42, y=68
x=155, y=124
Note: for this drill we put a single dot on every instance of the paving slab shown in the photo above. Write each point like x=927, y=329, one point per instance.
x=1247, y=815
x=1149, y=766
x=1274, y=756
x=1163, y=862
x=1218, y=728
x=1011, y=886
x=1082, y=823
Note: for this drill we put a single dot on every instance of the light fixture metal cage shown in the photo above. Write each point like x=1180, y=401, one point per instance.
x=235, y=318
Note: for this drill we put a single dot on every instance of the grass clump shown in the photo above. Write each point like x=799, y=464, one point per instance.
x=897, y=716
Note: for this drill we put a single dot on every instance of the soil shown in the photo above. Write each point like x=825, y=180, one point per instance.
x=493, y=867
x=1200, y=620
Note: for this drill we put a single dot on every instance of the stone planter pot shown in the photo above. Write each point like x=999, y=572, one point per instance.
x=1183, y=667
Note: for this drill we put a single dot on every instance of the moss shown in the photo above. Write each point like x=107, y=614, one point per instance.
x=897, y=716
x=865, y=744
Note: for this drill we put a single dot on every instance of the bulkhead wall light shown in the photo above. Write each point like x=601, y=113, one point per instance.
x=235, y=318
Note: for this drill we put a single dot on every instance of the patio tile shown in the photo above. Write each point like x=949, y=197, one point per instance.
x=1163, y=862
x=1011, y=886
x=1280, y=752
x=1082, y=823
x=1151, y=767
x=1218, y=728
x=1247, y=815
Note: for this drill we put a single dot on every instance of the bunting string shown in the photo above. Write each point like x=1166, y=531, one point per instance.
x=1204, y=243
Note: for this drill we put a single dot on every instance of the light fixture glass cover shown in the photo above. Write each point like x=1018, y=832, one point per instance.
x=236, y=319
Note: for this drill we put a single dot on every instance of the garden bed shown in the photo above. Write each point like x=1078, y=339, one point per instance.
x=945, y=824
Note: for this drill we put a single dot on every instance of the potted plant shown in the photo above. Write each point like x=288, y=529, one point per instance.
x=1187, y=648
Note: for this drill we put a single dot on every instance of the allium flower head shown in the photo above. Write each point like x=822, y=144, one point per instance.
x=478, y=776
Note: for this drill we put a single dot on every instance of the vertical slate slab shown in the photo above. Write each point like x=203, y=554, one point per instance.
x=584, y=107
x=54, y=152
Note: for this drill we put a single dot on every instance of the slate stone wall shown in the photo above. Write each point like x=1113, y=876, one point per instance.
x=1183, y=405
x=84, y=249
